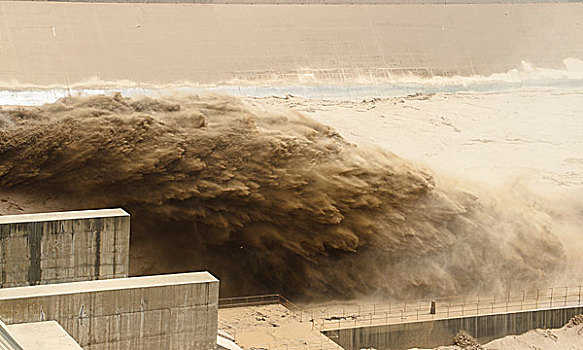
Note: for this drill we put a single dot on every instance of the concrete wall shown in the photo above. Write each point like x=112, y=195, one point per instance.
x=430, y=334
x=142, y=313
x=63, y=247
x=69, y=44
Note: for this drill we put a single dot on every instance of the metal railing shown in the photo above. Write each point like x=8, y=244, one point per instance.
x=349, y=315
x=265, y=299
x=356, y=315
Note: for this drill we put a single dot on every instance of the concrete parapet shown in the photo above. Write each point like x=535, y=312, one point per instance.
x=63, y=247
x=176, y=311
x=434, y=333
x=47, y=335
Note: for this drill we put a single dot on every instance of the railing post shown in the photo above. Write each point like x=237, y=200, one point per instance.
x=448, y=311
x=478, y=306
x=552, y=290
x=387, y=320
x=493, y=302
x=580, y=295
x=536, y=303
x=566, y=292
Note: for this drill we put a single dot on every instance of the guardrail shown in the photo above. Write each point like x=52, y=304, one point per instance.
x=348, y=315
x=265, y=299
x=358, y=315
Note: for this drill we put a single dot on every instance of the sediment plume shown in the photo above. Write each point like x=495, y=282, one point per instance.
x=268, y=200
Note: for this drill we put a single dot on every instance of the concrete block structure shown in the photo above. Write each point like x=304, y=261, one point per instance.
x=63, y=247
x=177, y=311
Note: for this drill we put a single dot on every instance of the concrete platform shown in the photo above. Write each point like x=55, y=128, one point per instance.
x=274, y=327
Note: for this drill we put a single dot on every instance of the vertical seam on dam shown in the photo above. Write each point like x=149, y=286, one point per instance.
x=98, y=229
x=115, y=226
x=4, y=234
x=34, y=248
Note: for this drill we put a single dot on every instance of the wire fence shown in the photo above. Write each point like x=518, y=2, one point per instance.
x=347, y=315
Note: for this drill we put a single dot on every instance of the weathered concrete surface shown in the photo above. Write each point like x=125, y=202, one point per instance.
x=48, y=335
x=66, y=44
x=63, y=247
x=142, y=313
x=430, y=334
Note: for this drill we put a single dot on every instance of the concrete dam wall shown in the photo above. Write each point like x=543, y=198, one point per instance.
x=64, y=247
x=101, y=45
x=176, y=311
x=430, y=334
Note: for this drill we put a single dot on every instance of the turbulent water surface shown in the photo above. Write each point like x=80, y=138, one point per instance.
x=268, y=200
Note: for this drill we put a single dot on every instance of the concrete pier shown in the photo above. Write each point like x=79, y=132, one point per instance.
x=63, y=247
x=176, y=311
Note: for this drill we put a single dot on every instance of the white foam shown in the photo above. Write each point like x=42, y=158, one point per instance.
x=526, y=77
